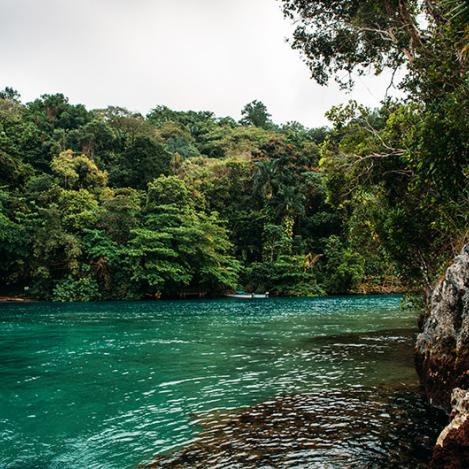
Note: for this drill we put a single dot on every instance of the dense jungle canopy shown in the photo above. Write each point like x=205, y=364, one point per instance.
x=110, y=204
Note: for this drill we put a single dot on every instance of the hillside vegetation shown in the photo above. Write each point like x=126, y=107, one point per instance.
x=110, y=204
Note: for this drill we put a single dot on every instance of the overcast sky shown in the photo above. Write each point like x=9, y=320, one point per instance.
x=212, y=55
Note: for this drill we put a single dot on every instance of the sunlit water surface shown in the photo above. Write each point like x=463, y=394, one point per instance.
x=112, y=385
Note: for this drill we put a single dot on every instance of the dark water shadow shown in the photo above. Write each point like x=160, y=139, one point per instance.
x=358, y=428
x=382, y=426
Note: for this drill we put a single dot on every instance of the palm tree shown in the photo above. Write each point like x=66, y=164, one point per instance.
x=264, y=177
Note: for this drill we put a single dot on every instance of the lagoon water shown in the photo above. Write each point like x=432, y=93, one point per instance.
x=112, y=385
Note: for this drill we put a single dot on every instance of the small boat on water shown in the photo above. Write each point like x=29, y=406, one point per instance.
x=247, y=295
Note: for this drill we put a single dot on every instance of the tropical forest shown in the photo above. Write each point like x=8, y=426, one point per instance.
x=353, y=232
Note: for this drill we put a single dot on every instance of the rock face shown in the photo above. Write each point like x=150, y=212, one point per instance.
x=442, y=360
x=452, y=447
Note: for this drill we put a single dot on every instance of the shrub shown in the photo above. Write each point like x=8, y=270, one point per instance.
x=72, y=289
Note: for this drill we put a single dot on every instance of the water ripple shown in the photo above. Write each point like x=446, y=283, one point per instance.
x=111, y=385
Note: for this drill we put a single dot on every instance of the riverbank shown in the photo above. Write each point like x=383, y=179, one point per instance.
x=368, y=290
x=16, y=299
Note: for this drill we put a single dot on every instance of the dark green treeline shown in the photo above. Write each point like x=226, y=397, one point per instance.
x=109, y=204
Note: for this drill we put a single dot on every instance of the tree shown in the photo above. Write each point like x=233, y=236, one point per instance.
x=178, y=140
x=78, y=171
x=120, y=214
x=10, y=94
x=287, y=275
x=81, y=289
x=143, y=160
x=352, y=36
x=343, y=268
x=411, y=156
x=196, y=200
x=178, y=246
x=255, y=113
x=14, y=250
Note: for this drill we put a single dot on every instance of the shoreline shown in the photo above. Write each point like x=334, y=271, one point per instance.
x=17, y=299
x=20, y=299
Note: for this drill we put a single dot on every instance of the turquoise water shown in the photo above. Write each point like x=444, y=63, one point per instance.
x=111, y=385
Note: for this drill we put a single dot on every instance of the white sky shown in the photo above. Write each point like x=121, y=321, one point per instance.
x=214, y=55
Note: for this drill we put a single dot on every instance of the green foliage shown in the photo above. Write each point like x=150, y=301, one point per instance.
x=79, y=209
x=120, y=213
x=178, y=246
x=143, y=160
x=178, y=140
x=353, y=35
x=81, y=289
x=400, y=173
x=343, y=269
x=167, y=191
x=365, y=35
x=286, y=275
x=255, y=113
x=77, y=171
x=193, y=203
x=194, y=200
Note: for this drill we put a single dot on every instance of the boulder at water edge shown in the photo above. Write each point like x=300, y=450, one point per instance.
x=442, y=359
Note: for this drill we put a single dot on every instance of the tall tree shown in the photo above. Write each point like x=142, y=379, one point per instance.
x=255, y=113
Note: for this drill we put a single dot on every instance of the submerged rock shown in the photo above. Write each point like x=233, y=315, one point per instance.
x=365, y=428
x=442, y=360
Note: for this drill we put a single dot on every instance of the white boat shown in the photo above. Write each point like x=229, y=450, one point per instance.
x=247, y=295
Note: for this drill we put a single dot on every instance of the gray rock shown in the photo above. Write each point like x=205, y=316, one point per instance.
x=442, y=361
x=452, y=446
x=442, y=348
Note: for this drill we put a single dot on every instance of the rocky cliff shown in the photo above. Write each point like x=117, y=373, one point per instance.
x=442, y=359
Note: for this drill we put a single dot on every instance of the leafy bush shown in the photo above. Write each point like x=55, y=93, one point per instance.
x=72, y=289
x=285, y=276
